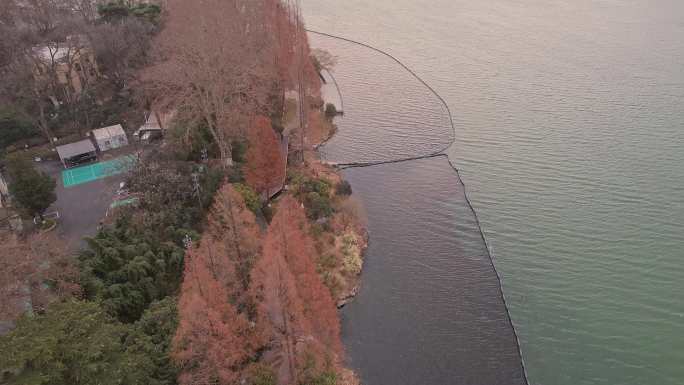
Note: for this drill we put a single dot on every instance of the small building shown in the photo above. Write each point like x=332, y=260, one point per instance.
x=157, y=122
x=109, y=138
x=76, y=153
x=152, y=129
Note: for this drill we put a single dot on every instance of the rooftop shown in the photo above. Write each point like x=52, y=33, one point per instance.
x=108, y=132
x=77, y=148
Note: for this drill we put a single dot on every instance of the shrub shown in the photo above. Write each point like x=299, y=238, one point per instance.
x=278, y=127
x=210, y=181
x=14, y=128
x=352, y=255
x=326, y=378
x=118, y=10
x=112, y=11
x=312, y=374
x=316, y=63
x=235, y=174
x=295, y=178
x=149, y=12
x=343, y=188
x=330, y=110
x=320, y=186
x=239, y=151
x=269, y=212
x=317, y=206
x=33, y=190
x=262, y=375
x=327, y=262
x=314, y=193
x=250, y=196
x=317, y=230
x=199, y=141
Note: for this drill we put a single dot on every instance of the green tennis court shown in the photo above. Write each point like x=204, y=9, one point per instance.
x=85, y=174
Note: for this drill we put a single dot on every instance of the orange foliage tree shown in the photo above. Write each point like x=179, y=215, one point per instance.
x=265, y=169
x=212, y=340
x=217, y=335
x=234, y=243
x=298, y=308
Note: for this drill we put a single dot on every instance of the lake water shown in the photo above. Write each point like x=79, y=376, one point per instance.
x=570, y=138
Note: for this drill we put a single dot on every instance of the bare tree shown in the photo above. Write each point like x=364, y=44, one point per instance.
x=217, y=63
x=45, y=66
x=120, y=48
x=27, y=90
x=26, y=266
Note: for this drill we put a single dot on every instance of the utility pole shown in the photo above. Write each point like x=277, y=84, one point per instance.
x=301, y=88
x=196, y=188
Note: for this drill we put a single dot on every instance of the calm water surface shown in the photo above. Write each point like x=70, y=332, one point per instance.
x=431, y=307
x=570, y=137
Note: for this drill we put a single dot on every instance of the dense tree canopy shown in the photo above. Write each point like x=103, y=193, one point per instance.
x=74, y=343
x=154, y=334
x=127, y=270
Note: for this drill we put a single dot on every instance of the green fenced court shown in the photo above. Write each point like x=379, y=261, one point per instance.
x=85, y=174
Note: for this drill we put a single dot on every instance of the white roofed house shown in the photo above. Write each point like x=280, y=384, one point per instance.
x=109, y=138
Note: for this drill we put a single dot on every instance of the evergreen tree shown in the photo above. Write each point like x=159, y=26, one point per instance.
x=74, y=343
x=155, y=331
x=33, y=190
x=127, y=269
x=13, y=128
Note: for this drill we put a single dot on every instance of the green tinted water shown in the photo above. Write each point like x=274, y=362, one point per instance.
x=571, y=141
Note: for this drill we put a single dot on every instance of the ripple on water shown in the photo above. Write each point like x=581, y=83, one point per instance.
x=430, y=306
x=430, y=310
x=388, y=113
